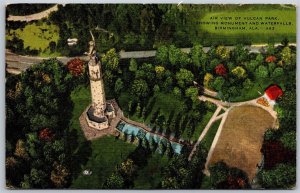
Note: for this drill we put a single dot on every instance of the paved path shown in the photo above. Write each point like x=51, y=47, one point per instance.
x=216, y=138
x=33, y=17
x=252, y=102
x=204, y=132
x=210, y=92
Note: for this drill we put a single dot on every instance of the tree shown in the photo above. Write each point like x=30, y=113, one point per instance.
x=176, y=56
x=225, y=177
x=192, y=93
x=271, y=59
x=208, y=79
x=169, y=150
x=133, y=65
x=114, y=181
x=240, y=54
x=162, y=147
x=177, y=92
x=198, y=56
x=218, y=83
x=52, y=46
x=76, y=67
x=286, y=55
x=223, y=52
x=271, y=49
x=220, y=70
x=184, y=77
x=119, y=85
x=239, y=72
x=59, y=175
x=128, y=168
x=278, y=72
x=21, y=150
x=46, y=134
x=251, y=66
x=156, y=89
x=247, y=84
x=283, y=176
x=140, y=88
x=159, y=70
x=162, y=54
x=38, y=178
x=288, y=140
x=111, y=60
x=261, y=72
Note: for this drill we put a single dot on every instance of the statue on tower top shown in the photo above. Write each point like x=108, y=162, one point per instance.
x=92, y=44
x=92, y=51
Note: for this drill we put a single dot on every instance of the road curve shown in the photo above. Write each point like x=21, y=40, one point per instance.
x=33, y=17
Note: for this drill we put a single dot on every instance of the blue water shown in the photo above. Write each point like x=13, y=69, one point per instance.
x=132, y=130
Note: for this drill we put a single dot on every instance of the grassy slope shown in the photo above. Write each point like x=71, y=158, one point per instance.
x=34, y=37
x=104, y=153
x=107, y=152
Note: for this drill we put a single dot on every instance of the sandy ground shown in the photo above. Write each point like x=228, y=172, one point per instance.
x=241, y=138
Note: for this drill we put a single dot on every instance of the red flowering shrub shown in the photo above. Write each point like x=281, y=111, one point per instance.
x=46, y=134
x=221, y=70
x=274, y=153
x=76, y=66
x=270, y=59
x=233, y=182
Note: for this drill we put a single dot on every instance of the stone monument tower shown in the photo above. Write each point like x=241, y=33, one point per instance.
x=100, y=111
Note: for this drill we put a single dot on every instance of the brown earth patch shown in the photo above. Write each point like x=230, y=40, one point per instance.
x=241, y=138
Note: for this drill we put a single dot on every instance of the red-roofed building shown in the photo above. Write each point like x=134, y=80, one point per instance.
x=273, y=92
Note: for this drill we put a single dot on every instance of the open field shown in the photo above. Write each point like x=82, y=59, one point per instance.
x=36, y=35
x=241, y=138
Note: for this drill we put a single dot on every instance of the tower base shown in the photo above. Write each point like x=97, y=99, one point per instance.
x=95, y=127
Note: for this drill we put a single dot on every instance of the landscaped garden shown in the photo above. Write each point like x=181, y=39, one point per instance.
x=46, y=148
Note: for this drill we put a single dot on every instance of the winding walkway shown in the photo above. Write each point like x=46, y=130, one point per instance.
x=33, y=17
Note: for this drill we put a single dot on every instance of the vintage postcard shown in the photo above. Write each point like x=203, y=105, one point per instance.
x=150, y=96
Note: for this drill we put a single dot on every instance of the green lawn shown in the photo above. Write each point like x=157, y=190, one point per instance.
x=37, y=36
x=210, y=135
x=107, y=152
x=150, y=176
x=167, y=103
x=100, y=156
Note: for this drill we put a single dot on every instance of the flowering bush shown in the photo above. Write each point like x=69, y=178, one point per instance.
x=76, y=67
x=221, y=70
x=270, y=59
x=46, y=134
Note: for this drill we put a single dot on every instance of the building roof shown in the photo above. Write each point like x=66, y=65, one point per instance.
x=274, y=92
